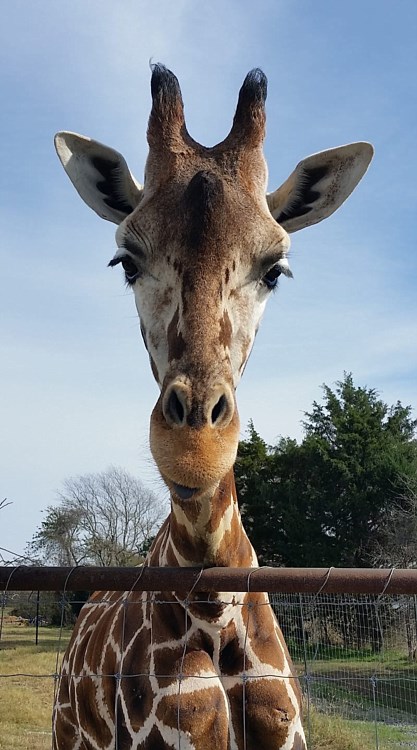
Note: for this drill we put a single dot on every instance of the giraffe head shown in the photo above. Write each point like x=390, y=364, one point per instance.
x=202, y=246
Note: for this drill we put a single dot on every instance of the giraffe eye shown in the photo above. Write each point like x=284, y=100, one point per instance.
x=130, y=268
x=271, y=278
x=132, y=272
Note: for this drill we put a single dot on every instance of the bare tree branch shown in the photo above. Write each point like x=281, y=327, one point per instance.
x=102, y=519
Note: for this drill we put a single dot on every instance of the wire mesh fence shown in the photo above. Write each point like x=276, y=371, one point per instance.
x=355, y=657
x=354, y=654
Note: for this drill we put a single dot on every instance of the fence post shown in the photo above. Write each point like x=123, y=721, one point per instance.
x=37, y=619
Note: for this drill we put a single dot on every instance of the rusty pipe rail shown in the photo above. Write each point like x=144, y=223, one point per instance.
x=283, y=580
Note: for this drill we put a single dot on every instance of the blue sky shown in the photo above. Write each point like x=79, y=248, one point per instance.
x=75, y=384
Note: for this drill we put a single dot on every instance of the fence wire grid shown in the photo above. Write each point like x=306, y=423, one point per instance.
x=354, y=655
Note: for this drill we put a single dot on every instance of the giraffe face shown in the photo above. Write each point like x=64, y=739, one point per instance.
x=202, y=246
x=201, y=285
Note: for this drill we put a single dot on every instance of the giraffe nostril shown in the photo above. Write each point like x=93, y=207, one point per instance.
x=175, y=408
x=218, y=409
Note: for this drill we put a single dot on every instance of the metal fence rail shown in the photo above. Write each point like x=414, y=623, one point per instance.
x=281, y=580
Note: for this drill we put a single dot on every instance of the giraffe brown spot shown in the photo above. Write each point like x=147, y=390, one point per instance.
x=235, y=548
x=67, y=734
x=123, y=624
x=206, y=606
x=89, y=713
x=200, y=713
x=259, y=621
x=64, y=695
x=170, y=556
x=203, y=642
x=72, y=691
x=220, y=502
x=175, y=340
x=177, y=266
x=191, y=548
x=107, y=683
x=134, y=640
x=268, y=713
x=154, y=553
x=170, y=622
x=232, y=658
x=167, y=661
x=190, y=510
x=124, y=737
x=225, y=336
x=165, y=299
x=138, y=698
x=154, y=741
x=295, y=682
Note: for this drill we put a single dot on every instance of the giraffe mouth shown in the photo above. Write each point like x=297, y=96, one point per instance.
x=184, y=493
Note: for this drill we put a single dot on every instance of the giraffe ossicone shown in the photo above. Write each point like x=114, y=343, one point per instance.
x=202, y=245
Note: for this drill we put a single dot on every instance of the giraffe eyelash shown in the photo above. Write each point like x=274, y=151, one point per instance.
x=270, y=278
x=132, y=272
x=285, y=268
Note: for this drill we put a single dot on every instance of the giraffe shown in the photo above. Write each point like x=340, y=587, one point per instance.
x=202, y=246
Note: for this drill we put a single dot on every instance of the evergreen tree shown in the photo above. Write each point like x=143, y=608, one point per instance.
x=327, y=500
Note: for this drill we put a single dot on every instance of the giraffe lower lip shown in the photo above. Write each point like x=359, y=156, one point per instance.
x=184, y=493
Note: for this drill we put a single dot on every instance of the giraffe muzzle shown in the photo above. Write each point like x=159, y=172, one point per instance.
x=194, y=441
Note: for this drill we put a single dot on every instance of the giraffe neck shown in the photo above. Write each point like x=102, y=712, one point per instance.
x=206, y=531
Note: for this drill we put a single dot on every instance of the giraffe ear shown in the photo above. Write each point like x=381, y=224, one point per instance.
x=319, y=185
x=100, y=175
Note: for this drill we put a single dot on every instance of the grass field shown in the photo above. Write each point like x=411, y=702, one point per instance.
x=27, y=687
x=26, y=700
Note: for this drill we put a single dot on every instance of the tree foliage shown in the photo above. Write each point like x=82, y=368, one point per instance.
x=101, y=519
x=329, y=499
